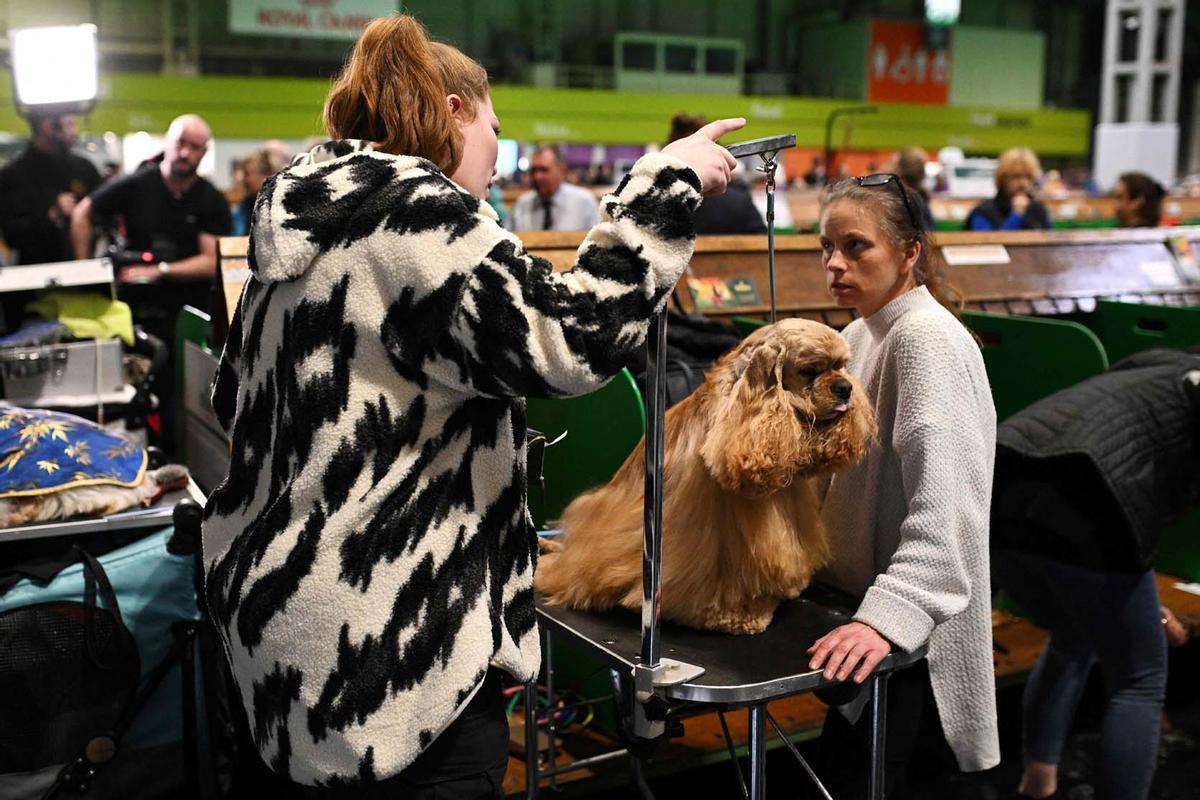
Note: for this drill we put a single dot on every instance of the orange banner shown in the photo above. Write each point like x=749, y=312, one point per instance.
x=901, y=68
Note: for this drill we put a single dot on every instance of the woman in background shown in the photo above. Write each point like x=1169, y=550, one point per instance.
x=1137, y=201
x=255, y=168
x=1014, y=207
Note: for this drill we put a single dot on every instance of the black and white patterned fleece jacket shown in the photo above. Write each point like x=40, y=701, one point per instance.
x=370, y=554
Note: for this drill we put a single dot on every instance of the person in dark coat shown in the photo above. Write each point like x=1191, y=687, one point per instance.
x=1085, y=481
x=1014, y=207
x=40, y=188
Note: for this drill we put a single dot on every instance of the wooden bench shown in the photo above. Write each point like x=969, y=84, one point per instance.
x=1048, y=273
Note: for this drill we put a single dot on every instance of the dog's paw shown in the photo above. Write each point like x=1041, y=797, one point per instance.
x=748, y=626
x=750, y=617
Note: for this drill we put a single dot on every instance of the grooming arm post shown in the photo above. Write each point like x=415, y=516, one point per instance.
x=648, y=666
x=768, y=166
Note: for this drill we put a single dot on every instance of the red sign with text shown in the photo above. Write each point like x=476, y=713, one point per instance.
x=901, y=68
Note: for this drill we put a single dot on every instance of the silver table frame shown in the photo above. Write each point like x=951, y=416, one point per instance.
x=156, y=515
x=669, y=680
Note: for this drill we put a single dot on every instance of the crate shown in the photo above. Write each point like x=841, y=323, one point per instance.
x=63, y=374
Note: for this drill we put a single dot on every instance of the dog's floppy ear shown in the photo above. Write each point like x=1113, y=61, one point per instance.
x=754, y=441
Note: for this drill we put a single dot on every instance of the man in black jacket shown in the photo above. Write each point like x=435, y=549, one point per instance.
x=40, y=188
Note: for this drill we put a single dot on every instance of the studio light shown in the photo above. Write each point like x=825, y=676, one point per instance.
x=54, y=69
x=942, y=12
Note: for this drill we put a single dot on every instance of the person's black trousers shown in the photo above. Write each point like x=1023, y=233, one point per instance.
x=467, y=762
x=843, y=759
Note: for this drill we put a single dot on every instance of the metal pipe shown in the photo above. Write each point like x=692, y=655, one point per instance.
x=758, y=752
x=804, y=763
x=768, y=166
x=531, y=748
x=551, y=722
x=583, y=763
x=833, y=115
x=876, y=788
x=733, y=758
x=656, y=377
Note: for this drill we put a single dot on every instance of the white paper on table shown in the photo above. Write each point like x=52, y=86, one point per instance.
x=1160, y=273
x=958, y=255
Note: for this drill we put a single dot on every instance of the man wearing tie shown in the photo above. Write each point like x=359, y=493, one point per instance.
x=554, y=204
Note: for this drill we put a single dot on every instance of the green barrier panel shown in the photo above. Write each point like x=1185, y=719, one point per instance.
x=1179, y=548
x=192, y=325
x=602, y=429
x=1029, y=358
x=747, y=325
x=1127, y=328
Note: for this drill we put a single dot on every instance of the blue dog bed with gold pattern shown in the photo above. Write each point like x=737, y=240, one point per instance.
x=42, y=452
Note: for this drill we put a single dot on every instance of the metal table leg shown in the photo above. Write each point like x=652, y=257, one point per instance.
x=758, y=752
x=551, y=755
x=876, y=787
x=531, y=742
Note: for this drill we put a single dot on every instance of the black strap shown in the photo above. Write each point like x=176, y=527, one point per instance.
x=93, y=576
x=689, y=375
x=79, y=772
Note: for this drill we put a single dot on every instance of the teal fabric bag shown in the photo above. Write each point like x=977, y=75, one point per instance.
x=154, y=588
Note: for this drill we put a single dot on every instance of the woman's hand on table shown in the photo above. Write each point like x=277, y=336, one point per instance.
x=840, y=650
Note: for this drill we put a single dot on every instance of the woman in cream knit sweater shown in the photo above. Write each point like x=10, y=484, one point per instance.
x=910, y=521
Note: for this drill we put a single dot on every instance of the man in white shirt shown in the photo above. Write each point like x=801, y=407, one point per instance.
x=553, y=204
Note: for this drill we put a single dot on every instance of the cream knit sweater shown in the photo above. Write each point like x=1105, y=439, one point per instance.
x=909, y=523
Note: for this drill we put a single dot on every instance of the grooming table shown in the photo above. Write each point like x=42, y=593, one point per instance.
x=739, y=672
x=668, y=663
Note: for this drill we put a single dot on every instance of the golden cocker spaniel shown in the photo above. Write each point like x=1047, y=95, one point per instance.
x=741, y=529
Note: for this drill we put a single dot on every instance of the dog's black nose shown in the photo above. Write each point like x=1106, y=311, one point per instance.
x=841, y=389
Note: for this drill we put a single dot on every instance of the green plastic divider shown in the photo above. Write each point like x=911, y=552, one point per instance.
x=602, y=429
x=1128, y=328
x=747, y=325
x=1179, y=548
x=192, y=325
x=1029, y=358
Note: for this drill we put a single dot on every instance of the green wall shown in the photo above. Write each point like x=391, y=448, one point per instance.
x=834, y=59
x=1000, y=68
x=242, y=107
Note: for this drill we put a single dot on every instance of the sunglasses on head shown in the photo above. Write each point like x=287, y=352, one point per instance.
x=882, y=178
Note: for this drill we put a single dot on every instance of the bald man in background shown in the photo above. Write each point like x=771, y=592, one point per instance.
x=171, y=215
x=166, y=220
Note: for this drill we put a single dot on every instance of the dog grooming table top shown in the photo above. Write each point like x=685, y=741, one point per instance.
x=156, y=515
x=738, y=670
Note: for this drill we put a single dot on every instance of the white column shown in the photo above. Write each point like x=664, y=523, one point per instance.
x=1139, y=139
